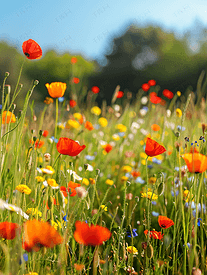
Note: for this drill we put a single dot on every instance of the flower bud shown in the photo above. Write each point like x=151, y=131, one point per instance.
x=47, y=157
x=36, y=82
x=7, y=74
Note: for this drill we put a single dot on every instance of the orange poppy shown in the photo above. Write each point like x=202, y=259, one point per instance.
x=39, y=234
x=155, y=127
x=165, y=222
x=71, y=188
x=196, y=162
x=8, y=230
x=135, y=174
x=95, y=89
x=45, y=133
x=72, y=103
x=76, y=80
x=56, y=89
x=67, y=146
x=108, y=148
x=153, y=148
x=155, y=234
x=38, y=143
x=79, y=267
x=73, y=60
x=90, y=235
x=8, y=117
x=63, y=190
x=88, y=125
x=31, y=49
x=145, y=87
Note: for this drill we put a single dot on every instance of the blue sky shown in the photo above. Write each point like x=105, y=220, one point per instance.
x=87, y=27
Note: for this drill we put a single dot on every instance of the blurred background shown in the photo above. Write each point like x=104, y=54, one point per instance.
x=117, y=42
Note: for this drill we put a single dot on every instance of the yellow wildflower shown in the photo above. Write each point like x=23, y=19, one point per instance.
x=121, y=127
x=132, y=114
x=116, y=137
x=56, y=224
x=132, y=250
x=178, y=93
x=48, y=100
x=152, y=180
x=149, y=195
x=48, y=170
x=178, y=112
x=126, y=168
x=72, y=124
x=52, y=183
x=34, y=212
x=124, y=178
x=85, y=181
x=96, y=110
x=61, y=126
x=39, y=179
x=23, y=189
x=103, y=121
x=104, y=207
x=32, y=273
x=109, y=182
x=77, y=116
x=92, y=181
x=142, y=142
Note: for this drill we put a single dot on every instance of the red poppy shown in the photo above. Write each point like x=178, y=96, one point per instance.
x=72, y=103
x=152, y=82
x=45, y=133
x=95, y=89
x=90, y=235
x=153, y=148
x=165, y=222
x=162, y=102
x=196, y=162
x=120, y=94
x=167, y=93
x=73, y=60
x=8, y=230
x=31, y=49
x=64, y=191
x=145, y=87
x=108, y=148
x=39, y=234
x=71, y=188
x=135, y=174
x=88, y=125
x=154, y=98
x=76, y=80
x=67, y=146
x=154, y=234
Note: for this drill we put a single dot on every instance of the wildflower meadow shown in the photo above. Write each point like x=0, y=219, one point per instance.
x=88, y=189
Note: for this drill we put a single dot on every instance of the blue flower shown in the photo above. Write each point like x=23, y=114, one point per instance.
x=121, y=134
x=154, y=202
x=25, y=256
x=55, y=139
x=88, y=157
x=199, y=221
x=179, y=128
x=61, y=99
x=157, y=161
x=176, y=193
x=155, y=214
x=145, y=108
x=150, y=166
x=134, y=233
x=139, y=180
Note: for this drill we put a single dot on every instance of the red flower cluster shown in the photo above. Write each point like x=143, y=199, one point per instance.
x=90, y=235
x=8, y=230
x=154, y=234
x=95, y=89
x=108, y=148
x=76, y=80
x=152, y=82
x=72, y=103
x=154, y=98
x=120, y=94
x=145, y=87
x=167, y=93
x=71, y=189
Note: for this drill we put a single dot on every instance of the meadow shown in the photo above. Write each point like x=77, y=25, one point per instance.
x=117, y=189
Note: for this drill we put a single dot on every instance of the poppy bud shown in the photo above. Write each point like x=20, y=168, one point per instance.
x=36, y=82
x=6, y=74
x=34, y=139
x=40, y=133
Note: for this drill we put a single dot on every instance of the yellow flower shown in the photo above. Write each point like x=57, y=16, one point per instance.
x=116, y=137
x=85, y=181
x=32, y=273
x=186, y=195
x=52, y=183
x=132, y=250
x=103, y=121
x=109, y=182
x=121, y=127
x=48, y=100
x=126, y=168
x=149, y=195
x=143, y=162
x=152, y=180
x=34, y=212
x=124, y=178
x=92, y=181
x=23, y=189
x=104, y=207
x=132, y=114
x=96, y=110
x=143, y=155
x=39, y=179
x=178, y=93
x=40, y=159
x=178, y=112
x=72, y=124
x=61, y=126
x=56, y=89
x=142, y=142
x=77, y=116
x=48, y=170
x=56, y=224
